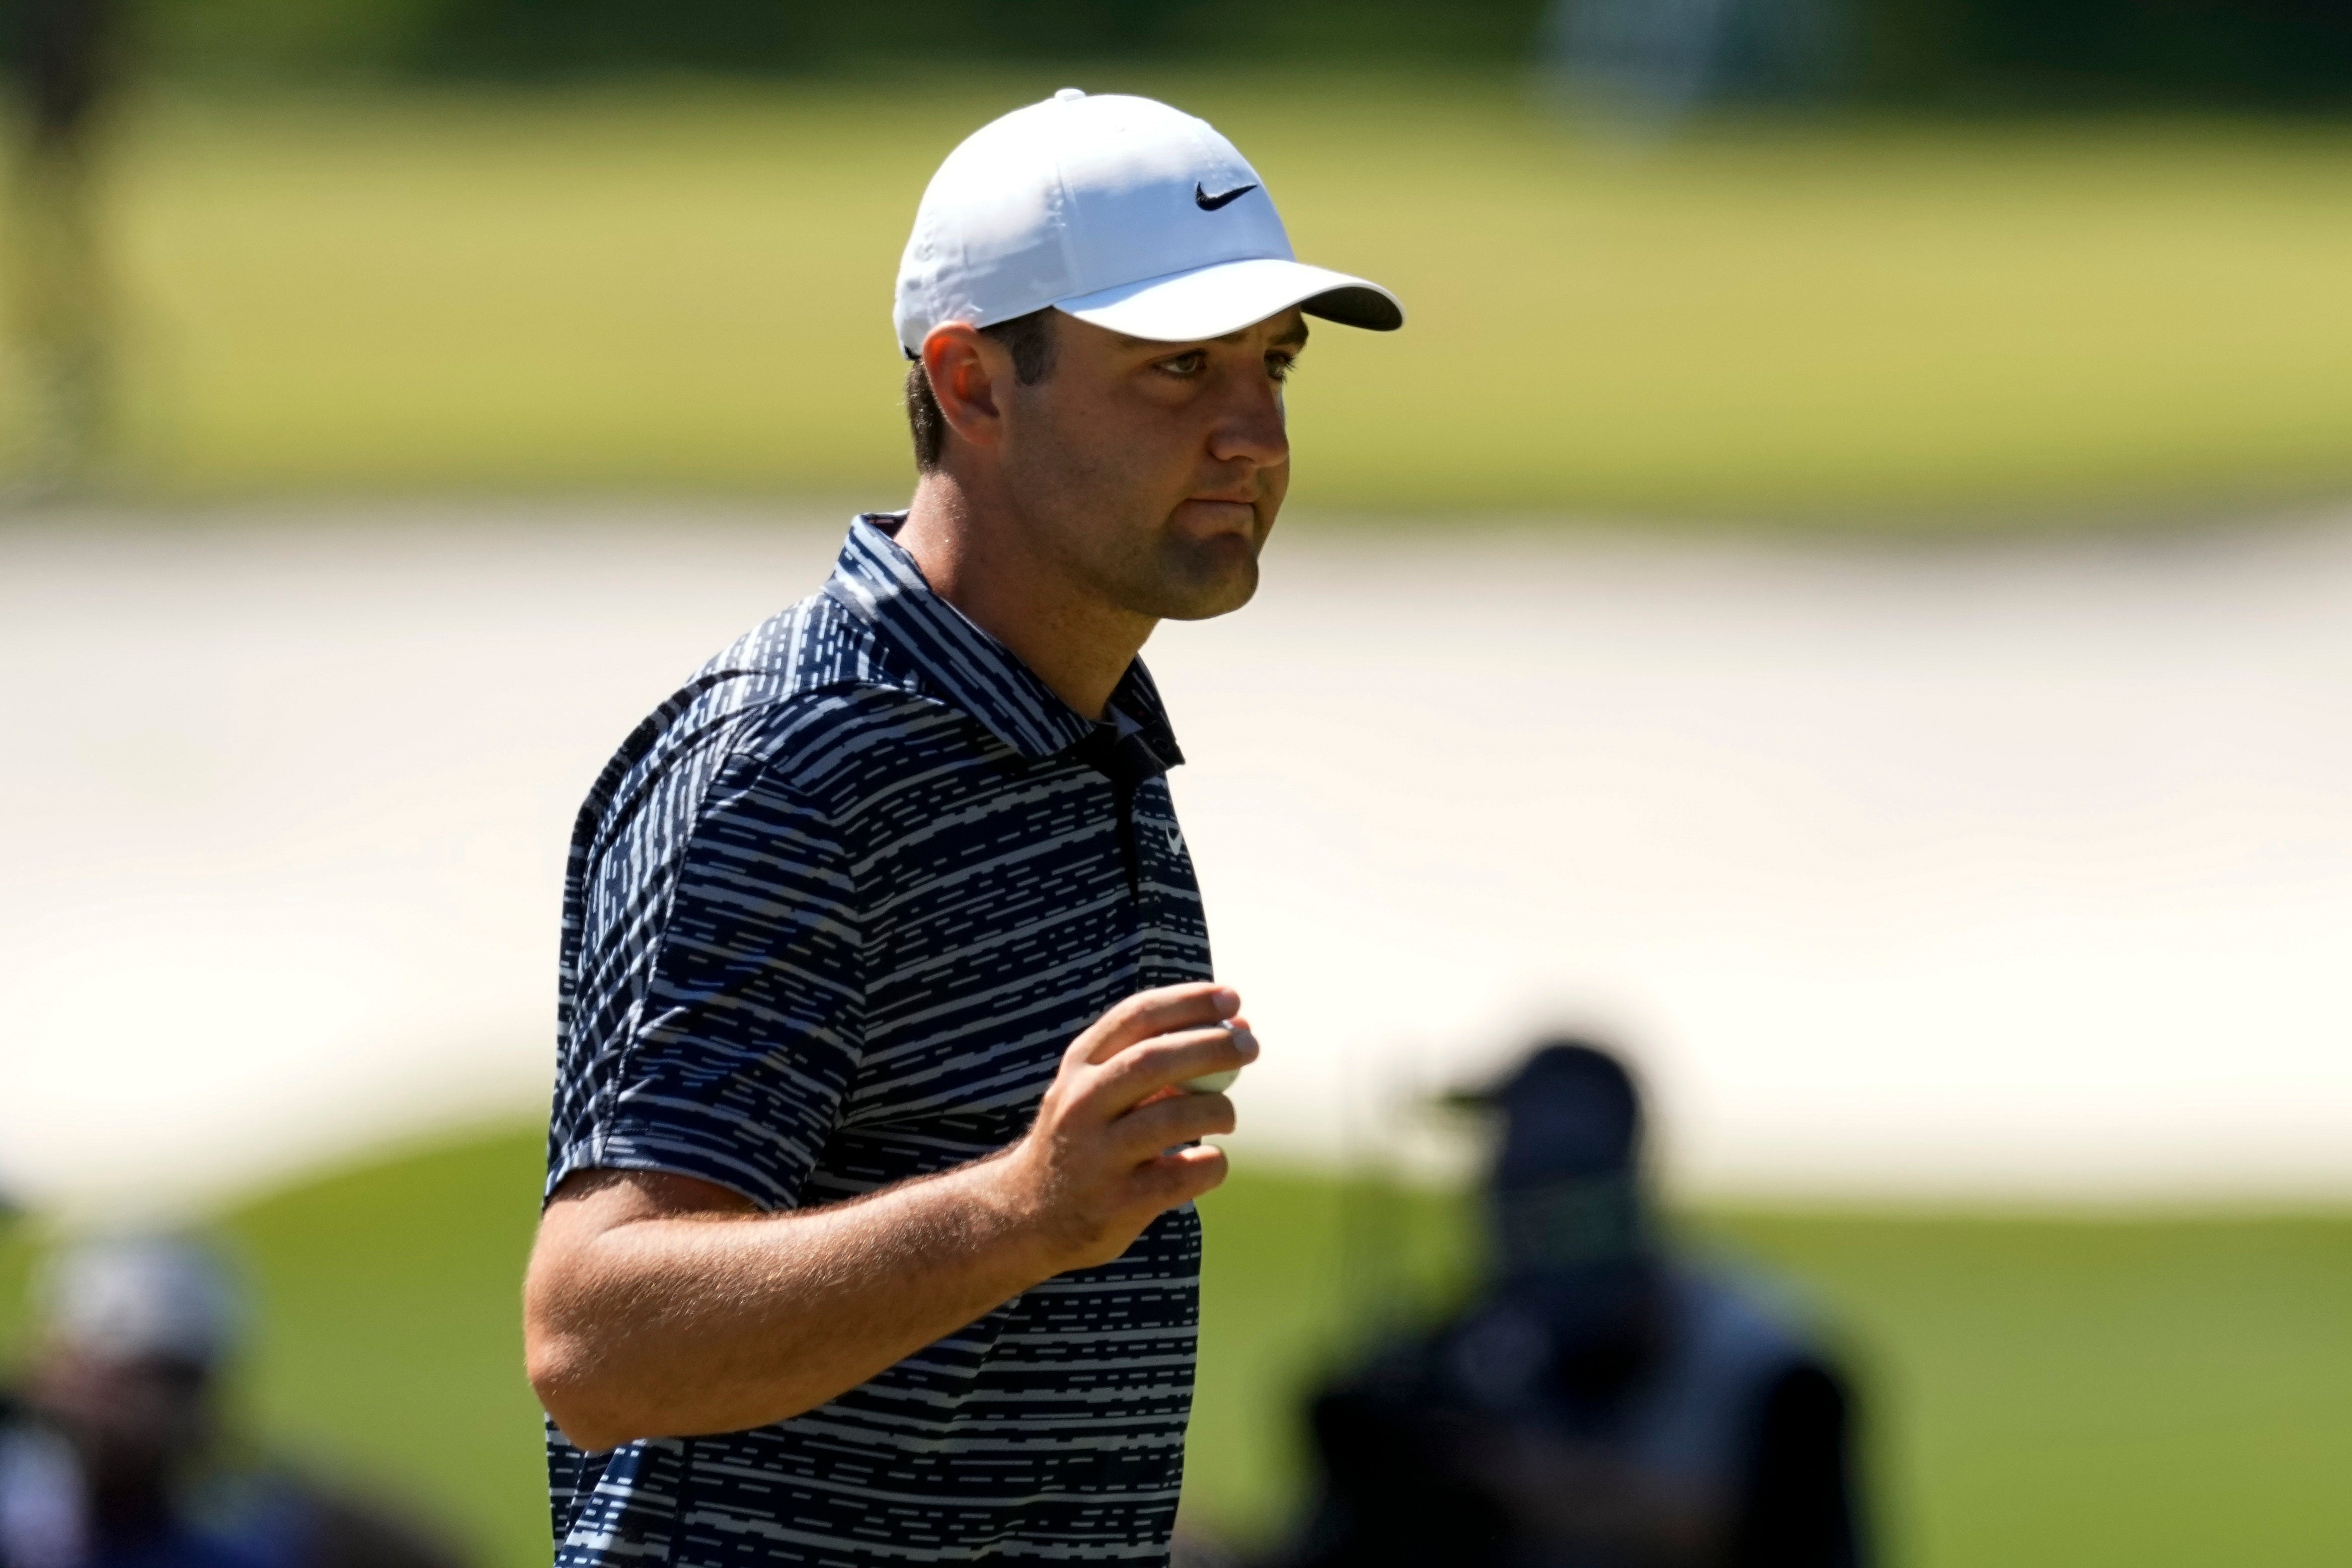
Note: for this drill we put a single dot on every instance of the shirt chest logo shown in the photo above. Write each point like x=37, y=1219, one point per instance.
x=1164, y=828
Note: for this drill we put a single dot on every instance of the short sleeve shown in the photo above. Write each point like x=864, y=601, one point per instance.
x=719, y=1022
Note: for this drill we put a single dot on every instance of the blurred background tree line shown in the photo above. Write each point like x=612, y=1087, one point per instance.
x=1916, y=52
x=1868, y=260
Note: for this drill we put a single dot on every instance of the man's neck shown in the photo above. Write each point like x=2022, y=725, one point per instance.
x=978, y=554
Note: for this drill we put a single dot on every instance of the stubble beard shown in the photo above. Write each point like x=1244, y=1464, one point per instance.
x=1087, y=510
x=1201, y=579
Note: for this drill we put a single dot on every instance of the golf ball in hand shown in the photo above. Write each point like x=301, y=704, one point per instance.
x=1215, y=1082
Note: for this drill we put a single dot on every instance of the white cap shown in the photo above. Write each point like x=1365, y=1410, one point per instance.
x=142, y=1297
x=1124, y=213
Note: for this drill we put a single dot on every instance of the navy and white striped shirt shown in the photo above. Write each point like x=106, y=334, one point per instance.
x=832, y=914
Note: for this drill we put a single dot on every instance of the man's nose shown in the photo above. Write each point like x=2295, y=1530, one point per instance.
x=1252, y=428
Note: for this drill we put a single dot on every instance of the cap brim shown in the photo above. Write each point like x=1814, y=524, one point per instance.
x=1210, y=301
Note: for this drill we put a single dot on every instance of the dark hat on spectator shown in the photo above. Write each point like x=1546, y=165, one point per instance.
x=1568, y=1111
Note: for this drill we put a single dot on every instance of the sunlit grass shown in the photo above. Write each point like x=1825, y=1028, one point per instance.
x=689, y=290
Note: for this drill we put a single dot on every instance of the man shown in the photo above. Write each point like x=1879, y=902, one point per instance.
x=115, y=1456
x=117, y=1415
x=1602, y=1404
x=869, y=1234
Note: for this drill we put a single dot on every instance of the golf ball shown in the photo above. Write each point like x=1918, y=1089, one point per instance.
x=1215, y=1082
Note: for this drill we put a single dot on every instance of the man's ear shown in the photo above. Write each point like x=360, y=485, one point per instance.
x=966, y=370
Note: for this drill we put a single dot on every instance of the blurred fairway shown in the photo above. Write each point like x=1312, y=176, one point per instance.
x=688, y=290
x=2042, y=1394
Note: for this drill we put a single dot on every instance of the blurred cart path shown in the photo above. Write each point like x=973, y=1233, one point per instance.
x=1963, y=870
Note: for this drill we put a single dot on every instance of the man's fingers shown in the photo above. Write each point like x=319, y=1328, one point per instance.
x=1165, y=1123
x=1115, y=1120
x=1182, y=1174
x=1148, y=1014
x=1142, y=1070
x=1159, y=1012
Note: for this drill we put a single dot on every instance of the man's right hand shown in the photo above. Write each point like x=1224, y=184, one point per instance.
x=1115, y=1142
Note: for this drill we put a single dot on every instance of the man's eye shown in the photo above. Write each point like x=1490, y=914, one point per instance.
x=1280, y=366
x=1184, y=364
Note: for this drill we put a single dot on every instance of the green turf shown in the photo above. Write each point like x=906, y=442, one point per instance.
x=392, y=1331
x=2042, y=1393
x=2096, y=1392
x=688, y=290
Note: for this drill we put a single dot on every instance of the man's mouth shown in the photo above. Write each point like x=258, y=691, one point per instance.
x=1206, y=520
x=1228, y=510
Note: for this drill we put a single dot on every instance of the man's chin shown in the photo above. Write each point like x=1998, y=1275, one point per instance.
x=1207, y=582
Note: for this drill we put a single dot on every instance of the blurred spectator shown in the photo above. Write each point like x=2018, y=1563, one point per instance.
x=1601, y=1404
x=111, y=1455
x=60, y=313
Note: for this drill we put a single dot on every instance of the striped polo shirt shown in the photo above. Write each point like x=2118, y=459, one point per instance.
x=832, y=914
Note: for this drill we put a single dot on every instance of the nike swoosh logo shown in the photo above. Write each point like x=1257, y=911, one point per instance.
x=1209, y=203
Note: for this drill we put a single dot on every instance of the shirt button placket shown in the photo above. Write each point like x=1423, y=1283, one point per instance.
x=1152, y=857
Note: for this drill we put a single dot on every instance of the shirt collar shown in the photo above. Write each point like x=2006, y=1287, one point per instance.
x=876, y=581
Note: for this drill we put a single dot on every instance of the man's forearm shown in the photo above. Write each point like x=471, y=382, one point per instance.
x=670, y=1322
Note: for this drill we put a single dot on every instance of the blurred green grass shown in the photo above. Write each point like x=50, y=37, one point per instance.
x=2063, y=1392
x=686, y=289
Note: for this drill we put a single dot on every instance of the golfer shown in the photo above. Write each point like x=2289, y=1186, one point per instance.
x=869, y=1234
